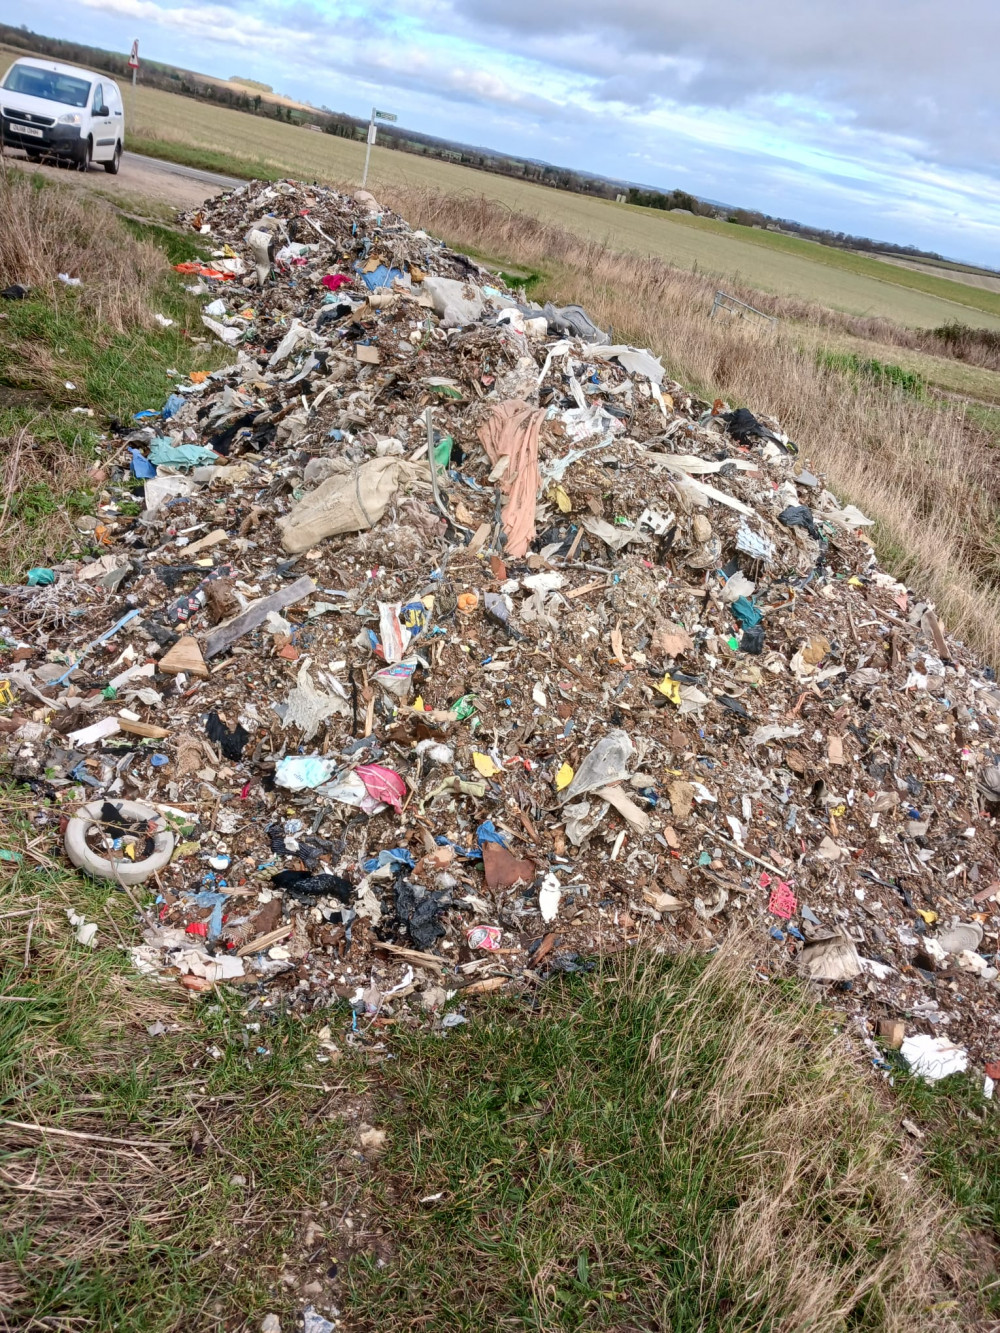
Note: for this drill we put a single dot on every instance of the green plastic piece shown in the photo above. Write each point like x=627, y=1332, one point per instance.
x=442, y=452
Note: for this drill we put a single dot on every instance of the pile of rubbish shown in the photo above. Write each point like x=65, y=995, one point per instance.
x=439, y=642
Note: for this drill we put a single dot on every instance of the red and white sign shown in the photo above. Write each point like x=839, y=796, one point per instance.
x=133, y=60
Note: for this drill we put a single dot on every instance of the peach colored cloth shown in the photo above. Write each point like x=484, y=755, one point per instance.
x=513, y=429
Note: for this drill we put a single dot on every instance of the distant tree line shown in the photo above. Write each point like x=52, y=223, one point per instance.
x=670, y=200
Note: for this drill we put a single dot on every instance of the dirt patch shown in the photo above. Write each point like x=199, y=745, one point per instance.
x=139, y=179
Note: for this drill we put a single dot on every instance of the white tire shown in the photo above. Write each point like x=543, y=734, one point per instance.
x=121, y=869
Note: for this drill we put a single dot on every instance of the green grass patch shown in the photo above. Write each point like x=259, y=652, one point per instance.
x=205, y=159
x=962, y=1129
x=518, y=281
x=180, y=247
x=670, y=1144
x=870, y=368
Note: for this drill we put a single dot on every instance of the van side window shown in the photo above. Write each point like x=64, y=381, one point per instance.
x=98, y=101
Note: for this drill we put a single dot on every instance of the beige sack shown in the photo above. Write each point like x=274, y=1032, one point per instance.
x=351, y=502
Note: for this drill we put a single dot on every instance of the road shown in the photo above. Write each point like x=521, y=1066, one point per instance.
x=141, y=177
x=134, y=164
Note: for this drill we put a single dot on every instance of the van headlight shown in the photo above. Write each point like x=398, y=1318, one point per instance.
x=71, y=118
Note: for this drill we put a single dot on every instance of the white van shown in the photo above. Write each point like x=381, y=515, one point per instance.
x=62, y=112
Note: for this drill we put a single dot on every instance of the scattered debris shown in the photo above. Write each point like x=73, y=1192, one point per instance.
x=450, y=643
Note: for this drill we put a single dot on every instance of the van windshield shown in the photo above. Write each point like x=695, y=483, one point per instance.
x=48, y=84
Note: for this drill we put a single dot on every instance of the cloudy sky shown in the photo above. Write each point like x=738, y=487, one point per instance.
x=879, y=117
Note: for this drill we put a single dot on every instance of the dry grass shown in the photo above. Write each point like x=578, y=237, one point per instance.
x=46, y=231
x=827, y=1212
x=36, y=511
x=922, y=471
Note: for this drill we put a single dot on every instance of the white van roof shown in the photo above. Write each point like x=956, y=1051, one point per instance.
x=58, y=67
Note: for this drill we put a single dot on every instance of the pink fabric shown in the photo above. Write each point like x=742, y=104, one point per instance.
x=513, y=429
x=383, y=784
x=334, y=281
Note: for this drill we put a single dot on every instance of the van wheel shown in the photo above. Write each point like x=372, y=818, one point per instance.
x=83, y=161
x=112, y=167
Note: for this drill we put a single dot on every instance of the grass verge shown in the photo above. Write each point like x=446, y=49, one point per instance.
x=672, y=1144
x=148, y=1183
x=73, y=357
x=205, y=159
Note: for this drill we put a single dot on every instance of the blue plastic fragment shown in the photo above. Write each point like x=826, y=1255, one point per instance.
x=469, y=854
x=173, y=405
x=216, y=901
x=486, y=832
x=141, y=466
x=160, y=760
x=390, y=856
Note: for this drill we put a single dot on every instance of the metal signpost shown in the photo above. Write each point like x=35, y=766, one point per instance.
x=133, y=60
x=372, y=131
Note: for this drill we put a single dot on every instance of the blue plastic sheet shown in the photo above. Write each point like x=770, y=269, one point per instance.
x=383, y=276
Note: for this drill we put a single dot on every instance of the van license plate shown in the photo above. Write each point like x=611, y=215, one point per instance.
x=32, y=130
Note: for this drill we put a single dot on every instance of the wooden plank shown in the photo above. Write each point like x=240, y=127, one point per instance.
x=230, y=631
x=143, y=729
x=264, y=941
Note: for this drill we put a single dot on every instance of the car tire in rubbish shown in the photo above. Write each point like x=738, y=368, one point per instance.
x=114, y=166
x=121, y=870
